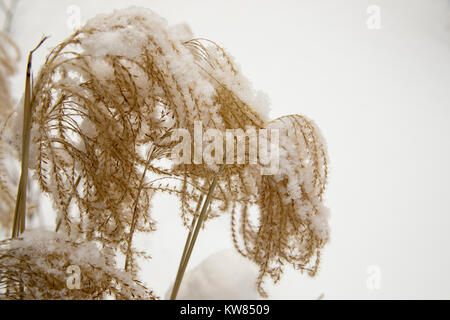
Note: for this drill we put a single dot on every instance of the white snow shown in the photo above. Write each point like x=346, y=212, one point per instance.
x=225, y=275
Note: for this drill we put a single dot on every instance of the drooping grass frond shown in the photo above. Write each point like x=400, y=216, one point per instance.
x=99, y=105
x=293, y=222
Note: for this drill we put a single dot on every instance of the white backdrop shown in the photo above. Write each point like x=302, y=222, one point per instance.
x=382, y=100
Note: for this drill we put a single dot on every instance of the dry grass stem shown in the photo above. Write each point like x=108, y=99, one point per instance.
x=192, y=238
x=21, y=199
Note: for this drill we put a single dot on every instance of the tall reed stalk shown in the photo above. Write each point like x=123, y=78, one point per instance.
x=193, y=235
x=21, y=199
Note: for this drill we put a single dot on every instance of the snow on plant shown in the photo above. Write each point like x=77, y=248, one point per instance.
x=38, y=265
x=225, y=275
x=105, y=106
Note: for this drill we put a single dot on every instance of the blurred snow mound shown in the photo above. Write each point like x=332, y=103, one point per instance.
x=225, y=275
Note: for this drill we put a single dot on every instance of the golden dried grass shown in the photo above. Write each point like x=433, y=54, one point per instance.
x=99, y=135
x=45, y=267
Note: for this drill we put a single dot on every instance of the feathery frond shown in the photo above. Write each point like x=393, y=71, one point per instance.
x=48, y=266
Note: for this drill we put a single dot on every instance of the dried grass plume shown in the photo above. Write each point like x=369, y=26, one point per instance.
x=105, y=105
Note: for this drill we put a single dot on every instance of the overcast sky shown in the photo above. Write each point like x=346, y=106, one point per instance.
x=380, y=96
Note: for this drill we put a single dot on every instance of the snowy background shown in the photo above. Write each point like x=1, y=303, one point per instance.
x=382, y=100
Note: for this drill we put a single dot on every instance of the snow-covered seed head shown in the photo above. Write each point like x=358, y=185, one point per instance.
x=48, y=266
